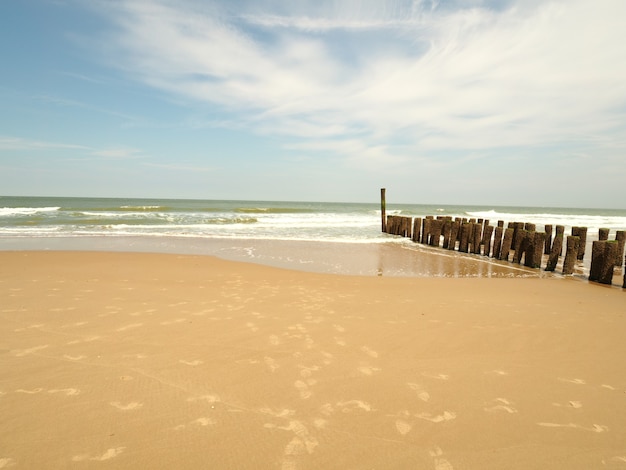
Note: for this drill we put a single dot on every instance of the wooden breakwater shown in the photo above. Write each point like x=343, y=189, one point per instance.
x=518, y=242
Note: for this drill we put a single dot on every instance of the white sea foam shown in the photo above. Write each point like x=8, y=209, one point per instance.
x=16, y=211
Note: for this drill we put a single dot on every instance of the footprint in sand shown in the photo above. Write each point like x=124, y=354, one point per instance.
x=340, y=341
x=368, y=370
x=327, y=357
x=502, y=404
x=403, y=427
x=74, y=358
x=109, y=454
x=421, y=393
x=173, y=322
x=570, y=404
x=203, y=421
x=598, y=428
x=196, y=362
x=573, y=381
x=339, y=328
x=271, y=363
x=369, y=352
x=437, y=376
x=439, y=461
x=66, y=391
x=303, y=389
x=25, y=352
x=211, y=399
x=274, y=340
x=134, y=405
x=445, y=416
x=29, y=392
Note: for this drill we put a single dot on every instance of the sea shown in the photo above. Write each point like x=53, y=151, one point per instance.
x=314, y=236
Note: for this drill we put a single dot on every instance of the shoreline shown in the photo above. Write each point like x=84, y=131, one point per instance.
x=127, y=360
x=396, y=258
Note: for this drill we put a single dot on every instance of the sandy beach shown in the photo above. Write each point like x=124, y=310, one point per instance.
x=161, y=361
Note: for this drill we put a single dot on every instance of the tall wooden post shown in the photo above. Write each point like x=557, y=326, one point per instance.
x=548, y=244
x=383, y=209
x=557, y=248
x=571, y=253
x=580, y=232
x=603, y=261
x=620, y=236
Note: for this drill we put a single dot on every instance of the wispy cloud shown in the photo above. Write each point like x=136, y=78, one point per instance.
x=119, y=153
x=19, y=144
x=404, y=79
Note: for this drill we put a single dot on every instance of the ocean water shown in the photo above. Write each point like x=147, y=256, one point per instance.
x=200, y=226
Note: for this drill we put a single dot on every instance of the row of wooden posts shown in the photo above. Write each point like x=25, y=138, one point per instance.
x=518, y=241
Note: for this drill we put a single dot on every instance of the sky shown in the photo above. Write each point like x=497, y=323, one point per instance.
x=489, y=102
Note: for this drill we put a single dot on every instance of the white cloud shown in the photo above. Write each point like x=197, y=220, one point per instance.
x=119, y=153
x=403, y=79
x=17, y=143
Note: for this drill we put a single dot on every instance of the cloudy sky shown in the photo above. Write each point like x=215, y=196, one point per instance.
x=517, y=102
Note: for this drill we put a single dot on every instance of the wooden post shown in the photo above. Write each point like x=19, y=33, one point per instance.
x=447, y=226
x=477, y=237
x=521, y=243
x=603, y=261
x=436, y=227
x=620, y=236
x=534, y=253
x=557, y=248
x=487, y=239
x=417, y=229
x=465, y=233
x=426, y=229
x=548, y=244
x=560, y=230
x=603, y=234
x=497, y=241
x=454, y=234
x=580, y=232
x=571, y=254
x=506, y=244
x=383, y=209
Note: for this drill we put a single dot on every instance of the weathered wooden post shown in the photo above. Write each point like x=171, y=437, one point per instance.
x=557, y=248
x=497, y=241
x=465, y=234
x=487, y=239
x=534, y=253
x=548, y=244
x=447, y=226
x=477, y=237
x=560, y=230
x=454, y=234
x=383, y=209
x=603, y=234
x=603, y=261
x=426, y=229
x=436, y=227
x=580, y=232
x=521, y=244
x=571, y=254
x=506, y=244
x=417, y=228
x=620, y=236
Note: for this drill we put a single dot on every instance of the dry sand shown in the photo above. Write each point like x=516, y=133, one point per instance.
x=117, y=360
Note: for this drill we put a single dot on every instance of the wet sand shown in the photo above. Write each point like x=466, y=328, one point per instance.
x=126, y=360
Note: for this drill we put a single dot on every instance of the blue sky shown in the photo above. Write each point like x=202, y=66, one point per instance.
x=446, y=102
